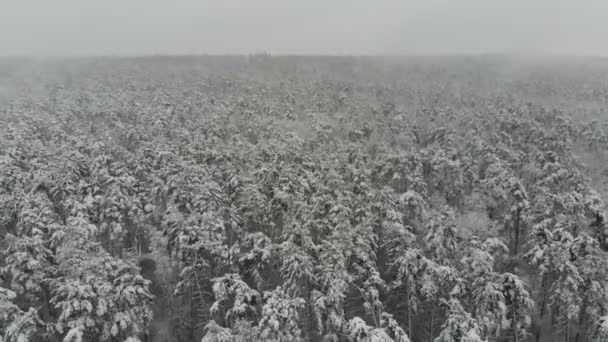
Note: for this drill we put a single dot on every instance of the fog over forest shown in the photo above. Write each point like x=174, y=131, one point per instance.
x=347, y=27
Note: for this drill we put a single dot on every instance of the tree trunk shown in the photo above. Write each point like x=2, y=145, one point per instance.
x=542, y=310
x=189, y=302
x=310, y=332
x=517, y=229
x=514, y=318
x=581, y=320
x=431, y=327
x=46, y=307
x=409, y=315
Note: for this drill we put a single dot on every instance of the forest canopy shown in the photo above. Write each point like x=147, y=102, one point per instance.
x=261, y=198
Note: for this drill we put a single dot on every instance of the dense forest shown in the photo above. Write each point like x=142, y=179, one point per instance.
x=260, y=198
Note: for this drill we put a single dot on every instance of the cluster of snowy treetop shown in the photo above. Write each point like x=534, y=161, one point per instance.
x=294, y=199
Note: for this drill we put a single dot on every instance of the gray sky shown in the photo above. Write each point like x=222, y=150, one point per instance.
x=127, y=27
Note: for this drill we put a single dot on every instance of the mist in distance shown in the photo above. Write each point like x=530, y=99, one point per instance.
x=335, y=27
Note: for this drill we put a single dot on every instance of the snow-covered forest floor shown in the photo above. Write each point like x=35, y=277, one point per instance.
x=264, y=198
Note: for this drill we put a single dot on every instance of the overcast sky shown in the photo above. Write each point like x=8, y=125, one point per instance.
x=128, y=27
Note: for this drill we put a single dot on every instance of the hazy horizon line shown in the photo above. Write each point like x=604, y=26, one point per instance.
x=271, y=54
